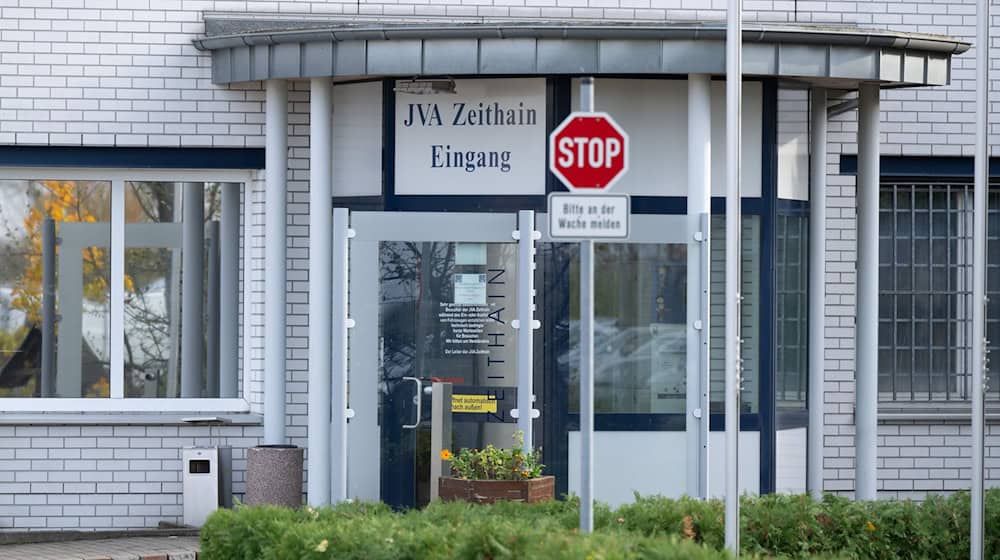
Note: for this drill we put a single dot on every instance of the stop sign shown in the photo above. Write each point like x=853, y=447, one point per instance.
x=588, y=151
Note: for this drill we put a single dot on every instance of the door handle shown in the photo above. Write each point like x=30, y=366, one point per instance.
x=417, y=400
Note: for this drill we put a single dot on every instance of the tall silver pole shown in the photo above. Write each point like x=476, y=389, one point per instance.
x=47, y=387
x=229, y=287
x=339, y=286
x=817, y=290
x=587, y=355
x=192, y=289
x=526, y=321
x=979, y=277
x=866, y=372
x=699, y=164
x=320, y=294
x=275, y=263
x=734, y=98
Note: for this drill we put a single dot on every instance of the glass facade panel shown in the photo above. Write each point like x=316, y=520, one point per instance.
x=640, y=340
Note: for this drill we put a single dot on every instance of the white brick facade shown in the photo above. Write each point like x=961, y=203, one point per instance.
x=124, y=73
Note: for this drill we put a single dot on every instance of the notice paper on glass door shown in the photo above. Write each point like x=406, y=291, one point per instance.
x=470, y=289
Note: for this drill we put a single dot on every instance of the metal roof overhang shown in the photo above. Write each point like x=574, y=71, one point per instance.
x=837, y=57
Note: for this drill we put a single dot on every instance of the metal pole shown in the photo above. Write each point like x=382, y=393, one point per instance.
x=212, y=350
x=526, y=321
x=276, y=146
x=341, y=234
x=587, y=356
x=440, y=434
x=734, y=91
x=47, y=387
x=192, y=289
x=318, y=491
x=979, y=278
x=699, y=164
x=866, y=376
x=817, y=290
x=229, y=287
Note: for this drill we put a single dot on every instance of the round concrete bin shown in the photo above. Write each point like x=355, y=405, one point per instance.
x=274, y=475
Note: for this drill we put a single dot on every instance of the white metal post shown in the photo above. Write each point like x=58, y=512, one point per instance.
x=699, y=165
x=979, y=278
x=341, y=322
x=866, y=373
x=192, y=289
x=229, y=287
x=587, y=355
x=117, y=319
x=734, y=99
x=320, y=296
x=526, y=325
x=817, y=290
x=275, y=263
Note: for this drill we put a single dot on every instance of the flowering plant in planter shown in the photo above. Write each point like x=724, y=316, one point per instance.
x=493, y=463
x=490, y=474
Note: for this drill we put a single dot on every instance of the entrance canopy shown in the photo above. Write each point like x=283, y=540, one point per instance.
x=248, y=49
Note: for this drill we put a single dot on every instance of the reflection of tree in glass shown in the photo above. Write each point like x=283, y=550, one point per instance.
x=147, y=295
x=62, y=201
x=413, y=283
x=150, y=293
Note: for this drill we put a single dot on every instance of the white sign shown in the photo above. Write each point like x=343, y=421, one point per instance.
x=470, y=289
x=598, y=216
x=486, y=139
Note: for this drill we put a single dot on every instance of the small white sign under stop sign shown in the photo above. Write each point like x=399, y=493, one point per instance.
x=597, y=216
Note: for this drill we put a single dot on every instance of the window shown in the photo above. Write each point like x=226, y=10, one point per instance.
x=168, y=327
x=792, y=313
x=749, y=315
x=54, y=288
x=925, y=285
x=640, y=331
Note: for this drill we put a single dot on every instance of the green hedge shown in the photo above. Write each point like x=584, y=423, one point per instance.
x=653, y=527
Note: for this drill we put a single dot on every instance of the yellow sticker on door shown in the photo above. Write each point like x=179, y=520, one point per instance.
x=476, y=404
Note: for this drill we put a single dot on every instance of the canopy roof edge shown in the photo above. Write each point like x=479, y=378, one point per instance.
x=831, y=56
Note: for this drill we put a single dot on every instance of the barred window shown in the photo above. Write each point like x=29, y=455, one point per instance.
x=925, y=285
x=792, y=319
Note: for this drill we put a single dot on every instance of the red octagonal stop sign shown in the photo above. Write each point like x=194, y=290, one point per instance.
x=588, y=151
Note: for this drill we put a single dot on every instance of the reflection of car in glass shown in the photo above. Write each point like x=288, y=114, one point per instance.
x=637, y=368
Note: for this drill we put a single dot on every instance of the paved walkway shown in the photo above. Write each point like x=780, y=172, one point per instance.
x=132, y=548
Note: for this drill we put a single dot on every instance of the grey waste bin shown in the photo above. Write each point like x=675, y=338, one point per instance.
x=274, y=475
x=207, y=482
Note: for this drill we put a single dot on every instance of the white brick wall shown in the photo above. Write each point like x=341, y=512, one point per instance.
x=124, y=72
x=103, y=477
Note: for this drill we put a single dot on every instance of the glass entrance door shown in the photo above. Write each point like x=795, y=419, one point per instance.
x=433, y=296
x=437, y=293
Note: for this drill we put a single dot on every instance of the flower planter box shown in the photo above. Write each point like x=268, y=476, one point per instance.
x=490, y=491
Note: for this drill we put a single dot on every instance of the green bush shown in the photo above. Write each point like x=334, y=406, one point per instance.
x=773, y=526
